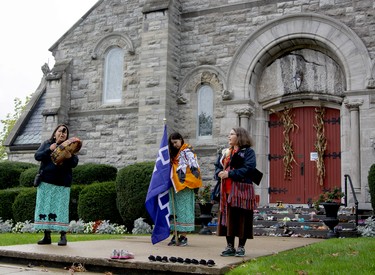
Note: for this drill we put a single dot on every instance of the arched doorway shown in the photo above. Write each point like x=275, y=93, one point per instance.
x=273, y=41
x=297, y=137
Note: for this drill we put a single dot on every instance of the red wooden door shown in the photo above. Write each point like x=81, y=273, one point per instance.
x=302, y=185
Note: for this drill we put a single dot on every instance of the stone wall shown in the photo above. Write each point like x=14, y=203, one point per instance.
x=173, y=47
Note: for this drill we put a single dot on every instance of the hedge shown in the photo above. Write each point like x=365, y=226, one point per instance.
x=7, y=198
x=92, y=172
x=371, y=184
x=98, y=202
x=27, y=177
x=132, y=184
x=24, y=205
x=10, y=172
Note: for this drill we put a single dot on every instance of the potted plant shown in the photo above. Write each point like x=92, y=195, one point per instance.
x=203, y=197
x=329, y=197
x=331, y=201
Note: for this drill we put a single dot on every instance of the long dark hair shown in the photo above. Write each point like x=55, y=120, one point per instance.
x=52, y=138
x=173, y=151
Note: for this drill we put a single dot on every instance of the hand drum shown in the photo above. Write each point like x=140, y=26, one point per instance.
x=72, y=146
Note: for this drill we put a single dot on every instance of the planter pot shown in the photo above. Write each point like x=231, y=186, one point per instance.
x=205, y=217
x=331, y=220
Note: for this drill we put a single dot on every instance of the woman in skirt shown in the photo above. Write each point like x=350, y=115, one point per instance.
x=53, y=193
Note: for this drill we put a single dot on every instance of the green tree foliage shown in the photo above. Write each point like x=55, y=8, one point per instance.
x=10, y=121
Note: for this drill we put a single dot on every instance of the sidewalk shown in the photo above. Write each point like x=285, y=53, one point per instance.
x=95, y=255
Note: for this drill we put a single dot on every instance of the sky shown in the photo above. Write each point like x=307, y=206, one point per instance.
x=28, y=29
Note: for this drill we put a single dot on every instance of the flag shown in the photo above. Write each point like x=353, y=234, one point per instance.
x=157, y=200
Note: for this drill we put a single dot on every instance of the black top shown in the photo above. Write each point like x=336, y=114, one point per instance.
x=55, y=174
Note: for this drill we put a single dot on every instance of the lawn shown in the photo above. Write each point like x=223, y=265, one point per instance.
x=334, y=256
x=30, y=238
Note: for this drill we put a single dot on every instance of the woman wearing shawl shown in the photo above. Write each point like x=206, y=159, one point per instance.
x=237, y=198
x=185, y=178
x=53, y=194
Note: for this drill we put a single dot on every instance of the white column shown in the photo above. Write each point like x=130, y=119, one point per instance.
x=353, y=106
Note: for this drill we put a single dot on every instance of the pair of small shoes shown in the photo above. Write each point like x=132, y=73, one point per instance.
x=187, y=261
x=180, y=260
x=124, y=254
x=194, y=261
x=203, y=262
x=115, y=254
x=229, y=251
x=173, y=259
x=210, y=263
x=121, y=254
x=163, y=259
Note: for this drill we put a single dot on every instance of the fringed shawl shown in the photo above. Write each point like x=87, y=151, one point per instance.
x=185, y=172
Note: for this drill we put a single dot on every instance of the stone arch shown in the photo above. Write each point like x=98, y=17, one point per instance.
x=110, y=40
x=290, y=32
x=202, y=74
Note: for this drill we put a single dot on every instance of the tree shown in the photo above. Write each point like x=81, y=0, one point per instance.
x=9, y=122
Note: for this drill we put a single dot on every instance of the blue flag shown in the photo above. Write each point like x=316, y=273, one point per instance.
x=157, y=200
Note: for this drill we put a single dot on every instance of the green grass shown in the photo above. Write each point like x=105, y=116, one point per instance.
x=30, y=238
x=334, y=256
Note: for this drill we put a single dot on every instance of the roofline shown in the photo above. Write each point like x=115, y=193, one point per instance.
x=52, y=48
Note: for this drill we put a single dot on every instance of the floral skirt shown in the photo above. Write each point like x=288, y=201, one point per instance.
x=184, y=206
x=52, y=207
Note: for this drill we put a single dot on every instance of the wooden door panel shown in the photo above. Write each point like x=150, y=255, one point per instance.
x=303, y=185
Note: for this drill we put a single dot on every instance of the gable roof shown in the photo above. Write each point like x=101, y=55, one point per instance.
x=27, y=132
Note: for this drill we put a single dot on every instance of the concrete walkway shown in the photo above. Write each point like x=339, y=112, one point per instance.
x=95, y=255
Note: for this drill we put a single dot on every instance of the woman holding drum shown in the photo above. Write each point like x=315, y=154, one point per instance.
x=53, y=193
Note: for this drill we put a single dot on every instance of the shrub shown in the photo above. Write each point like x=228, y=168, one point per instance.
x=7, y=197
x=371, y=184
x=92, y=172
x=10, y=172
x=27, y=176
x=132, y=185
x=24, y=205
x=98, y=202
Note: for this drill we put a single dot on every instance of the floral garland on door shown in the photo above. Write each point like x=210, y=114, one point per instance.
x=289, y=126
x=320, y=144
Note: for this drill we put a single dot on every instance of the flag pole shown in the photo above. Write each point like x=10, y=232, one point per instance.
x=173, y=207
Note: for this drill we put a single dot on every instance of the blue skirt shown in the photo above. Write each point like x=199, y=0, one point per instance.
x=52, y=207
x=184, y=206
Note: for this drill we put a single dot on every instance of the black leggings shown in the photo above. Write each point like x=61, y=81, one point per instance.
x=230, y=241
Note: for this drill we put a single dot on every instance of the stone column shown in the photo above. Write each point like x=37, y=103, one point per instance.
x=353, y=106
x=244, y=115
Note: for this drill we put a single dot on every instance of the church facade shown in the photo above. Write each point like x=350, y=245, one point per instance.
x=299, y=75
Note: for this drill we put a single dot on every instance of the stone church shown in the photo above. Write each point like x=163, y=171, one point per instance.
x=299, y=75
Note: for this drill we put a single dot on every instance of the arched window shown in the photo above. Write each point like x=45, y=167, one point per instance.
x=113, y=75
x=205, y=111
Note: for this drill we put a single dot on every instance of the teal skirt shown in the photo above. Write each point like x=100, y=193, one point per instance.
x=184, y=207
x=52, y=207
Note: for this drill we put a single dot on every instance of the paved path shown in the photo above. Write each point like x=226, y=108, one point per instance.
x=95, y=255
